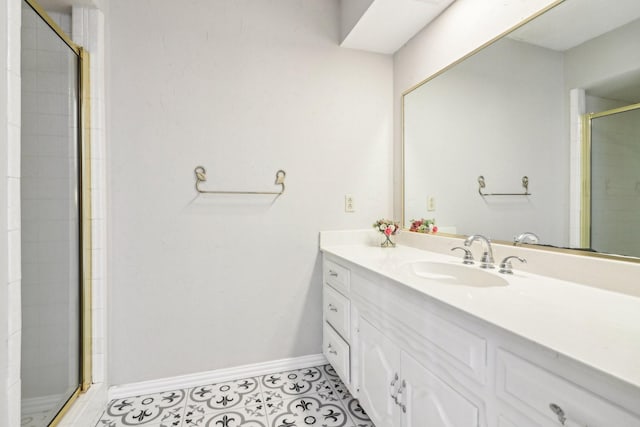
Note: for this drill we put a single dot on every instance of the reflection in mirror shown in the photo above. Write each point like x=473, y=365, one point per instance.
x=615, y=181
x=517, y=108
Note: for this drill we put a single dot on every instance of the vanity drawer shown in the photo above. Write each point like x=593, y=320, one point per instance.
x=337, y=276
x=336, y=311
x=337, y=352
x=533, y=390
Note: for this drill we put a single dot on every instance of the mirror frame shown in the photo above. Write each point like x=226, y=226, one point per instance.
x=585, y=168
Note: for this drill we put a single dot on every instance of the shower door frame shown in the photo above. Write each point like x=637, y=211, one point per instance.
x=84, y=201
x=585, y=208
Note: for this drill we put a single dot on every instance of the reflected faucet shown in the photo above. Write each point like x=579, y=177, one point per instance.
x=526, y=237
x=487, y=255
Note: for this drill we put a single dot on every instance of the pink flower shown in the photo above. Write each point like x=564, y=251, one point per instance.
x=388, y=231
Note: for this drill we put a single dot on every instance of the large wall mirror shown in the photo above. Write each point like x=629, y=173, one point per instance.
x=537, y=132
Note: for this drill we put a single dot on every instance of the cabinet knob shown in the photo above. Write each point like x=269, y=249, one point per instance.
x=331, y=350
x=395, y=380
x=333, y=273
x=559, y=413
x=394, y=392
x=333, y=308
x=399, y=401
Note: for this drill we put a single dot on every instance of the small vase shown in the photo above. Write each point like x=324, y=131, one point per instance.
x=387, y=242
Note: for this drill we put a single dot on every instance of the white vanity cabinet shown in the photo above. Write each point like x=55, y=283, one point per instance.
x=379, y=375
x=550, y=399
x=414, y=361
x=396, y=390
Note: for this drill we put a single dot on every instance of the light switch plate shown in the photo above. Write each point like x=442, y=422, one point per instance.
x=349, y=205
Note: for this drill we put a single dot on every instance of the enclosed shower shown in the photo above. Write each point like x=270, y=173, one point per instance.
x=614, y=148
x=51, y=218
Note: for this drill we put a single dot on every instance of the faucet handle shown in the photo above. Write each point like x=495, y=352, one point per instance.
x=505, y=265
x=468, y=256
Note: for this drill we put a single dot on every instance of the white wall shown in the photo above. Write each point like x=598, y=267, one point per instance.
x=610, y=56
x=444, y=42
x=243, y=88
x=499, y=114
x=4, y=237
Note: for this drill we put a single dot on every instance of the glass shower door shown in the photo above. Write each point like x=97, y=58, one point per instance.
x=50, y=206
x=615, y=181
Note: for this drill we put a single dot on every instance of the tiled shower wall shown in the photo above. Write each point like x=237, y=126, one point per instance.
x=87, y=29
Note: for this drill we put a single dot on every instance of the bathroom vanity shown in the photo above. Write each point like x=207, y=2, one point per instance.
x=422, y=340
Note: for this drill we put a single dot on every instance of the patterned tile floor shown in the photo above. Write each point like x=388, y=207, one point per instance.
x=304, y=397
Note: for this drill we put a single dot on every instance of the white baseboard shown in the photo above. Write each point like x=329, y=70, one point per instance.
x=212, y=377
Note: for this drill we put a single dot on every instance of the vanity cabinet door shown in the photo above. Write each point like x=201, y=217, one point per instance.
x=429, y=401
x=379, y=373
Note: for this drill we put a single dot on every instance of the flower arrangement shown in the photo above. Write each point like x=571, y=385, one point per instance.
x=388, y=228
x=423, y=225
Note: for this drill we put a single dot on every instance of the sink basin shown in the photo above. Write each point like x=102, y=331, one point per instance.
x=455, y=274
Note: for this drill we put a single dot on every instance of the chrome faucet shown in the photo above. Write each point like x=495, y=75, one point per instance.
x=526, y=237
x=487, y=255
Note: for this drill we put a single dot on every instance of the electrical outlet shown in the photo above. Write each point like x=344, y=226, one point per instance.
x=349, y=205
x=431, y=203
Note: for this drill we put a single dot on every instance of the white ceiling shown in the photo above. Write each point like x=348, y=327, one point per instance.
x=559, y=29
x=575, y=22
x=388, y=24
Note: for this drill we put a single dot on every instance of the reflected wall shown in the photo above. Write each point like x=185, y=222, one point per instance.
x=479, y=118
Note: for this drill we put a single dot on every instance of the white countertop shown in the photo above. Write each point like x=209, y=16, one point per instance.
x=597, y=327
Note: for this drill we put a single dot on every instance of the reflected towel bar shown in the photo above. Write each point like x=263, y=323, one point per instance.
x=201, y=176
x=525, y=185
